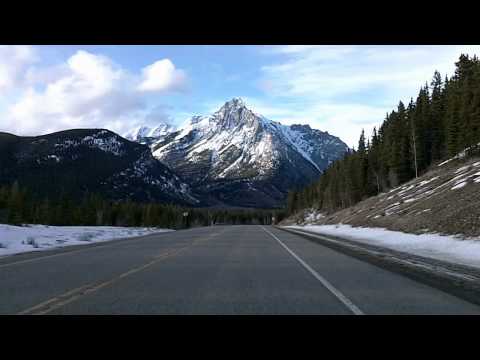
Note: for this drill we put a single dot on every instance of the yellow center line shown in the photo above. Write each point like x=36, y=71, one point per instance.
x=58, y=301
x=74, y=294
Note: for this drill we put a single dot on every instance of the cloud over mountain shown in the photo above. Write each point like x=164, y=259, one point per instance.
x=88, y=90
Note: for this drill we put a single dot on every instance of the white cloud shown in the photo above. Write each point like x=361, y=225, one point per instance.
x=342, y=89
x=83, y=97
x=343, y=120
x=162, y=76
x=327, y=72
x=13, y=62
x=160, y=114
x=88, y=90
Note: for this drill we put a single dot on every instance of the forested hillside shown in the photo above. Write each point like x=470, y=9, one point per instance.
x=442, y=121
x=19, y=206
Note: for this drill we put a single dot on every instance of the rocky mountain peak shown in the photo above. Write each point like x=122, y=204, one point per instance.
x=300, y=127
x=236, y=157
x=235, y=113
x=234, y=104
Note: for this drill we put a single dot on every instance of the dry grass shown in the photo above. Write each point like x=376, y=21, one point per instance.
x=426, y=204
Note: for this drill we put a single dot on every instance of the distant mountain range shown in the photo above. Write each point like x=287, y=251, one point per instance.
x=147, y=135
x=233, y=157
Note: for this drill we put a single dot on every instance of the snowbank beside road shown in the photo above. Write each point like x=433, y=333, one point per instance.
x=18, y=239
x=441, y=247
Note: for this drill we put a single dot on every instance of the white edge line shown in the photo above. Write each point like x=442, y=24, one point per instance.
x=346, y=301
x=415, y=263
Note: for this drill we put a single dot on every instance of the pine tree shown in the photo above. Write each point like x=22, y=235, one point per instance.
x=437, y=118
x=373, y=163
x=412, y=135
x=408, y=141
x=362, y=165
x=15, y=205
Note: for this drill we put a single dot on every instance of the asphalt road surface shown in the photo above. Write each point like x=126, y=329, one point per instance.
x=212, y=270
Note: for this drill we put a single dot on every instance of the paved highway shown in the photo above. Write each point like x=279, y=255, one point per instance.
x=212, y=270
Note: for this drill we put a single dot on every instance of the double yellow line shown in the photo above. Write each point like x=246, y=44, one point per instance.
x=74, y=294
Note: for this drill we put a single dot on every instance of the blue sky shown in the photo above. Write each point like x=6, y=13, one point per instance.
x=339, y=89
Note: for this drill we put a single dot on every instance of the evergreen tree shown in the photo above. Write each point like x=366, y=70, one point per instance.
x=437, y=126
x=434, y=127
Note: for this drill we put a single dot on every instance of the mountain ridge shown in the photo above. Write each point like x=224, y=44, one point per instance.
x=235, y=145
x=81, y=161
x=232, y=158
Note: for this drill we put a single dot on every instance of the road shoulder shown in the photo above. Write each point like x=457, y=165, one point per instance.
x=459, y=280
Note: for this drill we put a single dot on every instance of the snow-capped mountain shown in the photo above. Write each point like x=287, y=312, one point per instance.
x=83, y=161
x=233, y=157
x=236, y=157
x=147, y=134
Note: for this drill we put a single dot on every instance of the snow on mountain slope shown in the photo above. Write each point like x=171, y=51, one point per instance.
x=142, y=132
x=236, y=150
x=81, y=161
x=236, y=140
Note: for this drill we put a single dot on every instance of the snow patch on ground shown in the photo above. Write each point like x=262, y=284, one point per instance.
x=462, y=169
x=312, y=215
x=425, y=182
x=459, y=185
x=460, y=155
x=416, y=192
x=18, y=239
x=442, y=247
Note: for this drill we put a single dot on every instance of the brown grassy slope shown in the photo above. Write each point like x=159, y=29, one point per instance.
x=426, y=204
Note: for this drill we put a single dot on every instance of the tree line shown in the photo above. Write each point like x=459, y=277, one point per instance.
x=19, y=206
x=443, y=121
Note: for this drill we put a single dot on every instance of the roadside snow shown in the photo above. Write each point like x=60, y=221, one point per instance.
x=441, y=247
x=18, y=239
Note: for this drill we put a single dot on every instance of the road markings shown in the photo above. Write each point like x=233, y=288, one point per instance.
x=87, y=247
x=74, y=294
x=346, y=301
x=46, y=304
